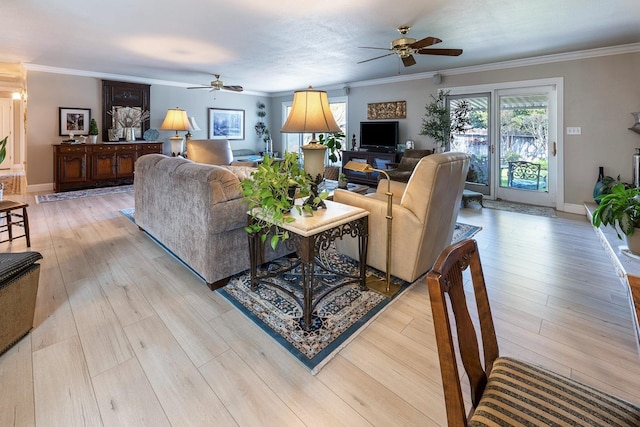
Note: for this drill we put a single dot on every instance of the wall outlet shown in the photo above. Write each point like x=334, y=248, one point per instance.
x=574, y=131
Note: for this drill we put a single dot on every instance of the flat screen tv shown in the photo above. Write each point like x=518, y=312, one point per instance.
x=379, y=136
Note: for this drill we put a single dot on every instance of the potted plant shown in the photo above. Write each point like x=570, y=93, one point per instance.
x=621, y=209
x=93, y=131
x=333, y=142
x=271, y=192
x=342, y=181
x=438, y=122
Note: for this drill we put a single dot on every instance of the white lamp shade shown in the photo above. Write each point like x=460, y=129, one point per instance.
x=194, y=125
x=176, y=120
x=310, y=113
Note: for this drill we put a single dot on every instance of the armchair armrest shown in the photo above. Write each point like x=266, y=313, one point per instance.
x=244, y=163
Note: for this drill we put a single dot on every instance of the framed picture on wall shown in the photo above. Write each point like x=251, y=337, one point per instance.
x=74, y=120
x=226, y=123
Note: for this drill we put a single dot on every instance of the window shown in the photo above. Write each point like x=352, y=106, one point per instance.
x=293, y=141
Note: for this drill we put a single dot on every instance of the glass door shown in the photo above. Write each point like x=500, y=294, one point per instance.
x=527, y=148
x=475, y=141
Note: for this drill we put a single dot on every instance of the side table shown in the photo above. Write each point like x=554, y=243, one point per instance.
x=309, y=235
x=7, y=208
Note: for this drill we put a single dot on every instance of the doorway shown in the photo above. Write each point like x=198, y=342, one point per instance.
x=6, y=129
x=513, y=140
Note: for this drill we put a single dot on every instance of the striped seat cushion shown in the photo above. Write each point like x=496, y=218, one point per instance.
x=518, y=394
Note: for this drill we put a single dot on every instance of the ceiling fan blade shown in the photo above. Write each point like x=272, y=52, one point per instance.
x=445, y=52
x=369, y=47
x=427, y=41
x=408, y=60
x=199, y=87
x=377, y=57
x=233, y=88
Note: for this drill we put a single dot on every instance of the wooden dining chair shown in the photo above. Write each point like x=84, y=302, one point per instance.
x=504, y=391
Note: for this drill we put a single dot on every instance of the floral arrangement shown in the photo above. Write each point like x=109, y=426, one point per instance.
x=126, y=117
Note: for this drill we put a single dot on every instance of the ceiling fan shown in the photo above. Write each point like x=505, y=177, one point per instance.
x=217, y=84
x=405, y=47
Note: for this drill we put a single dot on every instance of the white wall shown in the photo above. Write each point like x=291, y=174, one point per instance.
x=49, y=91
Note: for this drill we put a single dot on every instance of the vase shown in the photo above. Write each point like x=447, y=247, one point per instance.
x=633, y=242
x=93, y=139
x=599, y=188
x=130, y=134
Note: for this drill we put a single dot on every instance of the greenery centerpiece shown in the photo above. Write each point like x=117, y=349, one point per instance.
x=271, y=193
x=3, y=148
x=440, y=123
x=621, y=210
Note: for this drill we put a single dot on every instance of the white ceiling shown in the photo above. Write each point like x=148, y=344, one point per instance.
x=281, y=45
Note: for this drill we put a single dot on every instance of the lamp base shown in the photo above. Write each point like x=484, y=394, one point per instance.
x=379, y=285
x=176, y=145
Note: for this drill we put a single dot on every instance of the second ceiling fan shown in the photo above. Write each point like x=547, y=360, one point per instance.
x=406, y=47
x=217, y=84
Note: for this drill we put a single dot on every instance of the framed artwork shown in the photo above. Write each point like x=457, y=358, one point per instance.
x=387, y=110
x=74, y=120
x=226, y=123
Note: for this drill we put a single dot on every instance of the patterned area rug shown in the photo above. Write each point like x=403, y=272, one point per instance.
x=519, y=208
x=338, y=317
x=70, y=195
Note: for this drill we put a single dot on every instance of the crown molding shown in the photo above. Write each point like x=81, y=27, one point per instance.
x=119, y=77
x=536, y=60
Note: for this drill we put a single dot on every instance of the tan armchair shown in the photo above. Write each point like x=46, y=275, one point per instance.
x=212, y=152
x=424, y=216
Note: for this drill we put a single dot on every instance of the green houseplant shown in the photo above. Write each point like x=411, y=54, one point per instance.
x=333, y=142
x=3, y=148
x=93, y=131
x=439, y=123
x=620, y=209
x=271, y=189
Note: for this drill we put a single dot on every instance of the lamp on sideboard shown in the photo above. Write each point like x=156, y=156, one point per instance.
x=176, y=119
x=310, y=113
x=378, y=284
x=194, y=126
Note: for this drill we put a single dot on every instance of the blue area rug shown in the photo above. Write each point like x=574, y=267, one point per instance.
x=78, y=194
x=337, y=318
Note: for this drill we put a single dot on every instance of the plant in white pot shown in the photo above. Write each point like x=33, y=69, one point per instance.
x=93, y=131
x=621, y=210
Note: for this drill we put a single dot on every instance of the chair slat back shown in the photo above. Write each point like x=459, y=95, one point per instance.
x=446, y=278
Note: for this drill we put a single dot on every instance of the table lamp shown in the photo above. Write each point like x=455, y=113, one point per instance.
x=310, y=113
x=194, y=126
x=177, y=120
x=378, y=284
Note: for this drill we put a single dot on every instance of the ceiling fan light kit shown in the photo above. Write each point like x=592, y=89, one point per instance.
x=406, y=47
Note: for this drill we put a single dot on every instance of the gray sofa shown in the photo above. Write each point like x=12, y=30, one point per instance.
x=197, y=212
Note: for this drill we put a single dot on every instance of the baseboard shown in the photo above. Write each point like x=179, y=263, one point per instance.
x=39, y=187
x=574, y=209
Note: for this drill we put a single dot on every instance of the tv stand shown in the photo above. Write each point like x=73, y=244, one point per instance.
x=375, y=159
x=380, y=150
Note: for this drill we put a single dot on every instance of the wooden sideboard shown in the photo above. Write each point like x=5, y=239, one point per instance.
x=626, y=265
x=376, y=160
x=97, y=165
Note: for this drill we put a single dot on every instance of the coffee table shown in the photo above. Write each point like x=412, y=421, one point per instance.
x=309, y=235
x=330, y=185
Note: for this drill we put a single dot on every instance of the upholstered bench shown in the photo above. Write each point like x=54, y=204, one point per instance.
x=19, y=274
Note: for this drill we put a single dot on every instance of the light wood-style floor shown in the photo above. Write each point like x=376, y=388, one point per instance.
x=125, y=335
